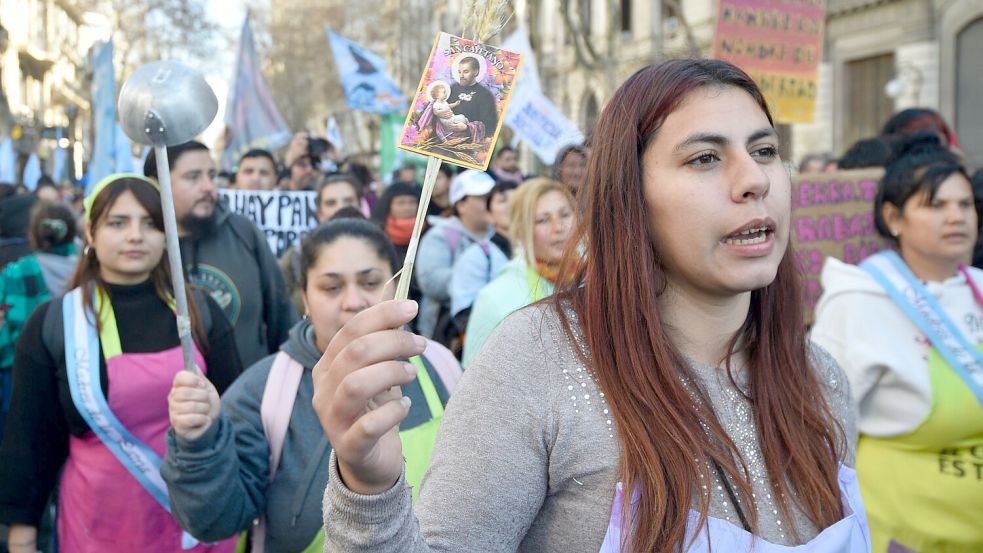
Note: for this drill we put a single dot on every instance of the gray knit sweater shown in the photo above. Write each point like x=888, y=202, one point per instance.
x=527, y=457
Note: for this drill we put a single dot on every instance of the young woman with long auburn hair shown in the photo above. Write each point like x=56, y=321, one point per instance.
x=665, y=399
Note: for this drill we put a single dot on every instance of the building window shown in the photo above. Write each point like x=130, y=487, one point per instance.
x=969, y=83
x=626, y=16
x=867, y=106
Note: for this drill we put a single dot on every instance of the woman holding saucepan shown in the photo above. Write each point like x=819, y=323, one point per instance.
x=92, y=371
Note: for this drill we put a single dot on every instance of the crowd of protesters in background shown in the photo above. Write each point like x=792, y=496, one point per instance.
x=90, y=260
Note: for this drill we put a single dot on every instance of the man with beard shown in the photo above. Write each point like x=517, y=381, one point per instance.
x=227, y=254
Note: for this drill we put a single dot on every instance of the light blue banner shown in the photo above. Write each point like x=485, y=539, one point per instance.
x=103, y=161
x=364, y=79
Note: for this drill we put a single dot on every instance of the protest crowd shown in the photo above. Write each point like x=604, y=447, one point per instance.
x=610, y=354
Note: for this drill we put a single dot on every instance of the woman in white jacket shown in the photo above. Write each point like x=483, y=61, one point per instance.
x=907, y=330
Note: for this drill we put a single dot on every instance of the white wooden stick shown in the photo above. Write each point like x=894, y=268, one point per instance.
x=429, y=180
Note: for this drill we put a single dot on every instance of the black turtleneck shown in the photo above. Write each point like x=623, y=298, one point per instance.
x=42, y=414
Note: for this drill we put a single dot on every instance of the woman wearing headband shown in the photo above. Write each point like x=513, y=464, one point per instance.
x=92, y=372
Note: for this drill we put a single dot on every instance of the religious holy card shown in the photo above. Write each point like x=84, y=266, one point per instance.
x=459, y=107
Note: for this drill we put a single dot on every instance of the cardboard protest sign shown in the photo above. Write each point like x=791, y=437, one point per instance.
x=284, y=217
x=459, y=107
x=833, y=215
x=780, y=44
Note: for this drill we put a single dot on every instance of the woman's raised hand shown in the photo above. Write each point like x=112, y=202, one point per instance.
x=193, y=405
x=357, y=395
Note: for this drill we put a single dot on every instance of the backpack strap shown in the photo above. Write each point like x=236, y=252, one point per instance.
x=277, y=404
x=483, y=244
x=53, y=329
x=453, y=237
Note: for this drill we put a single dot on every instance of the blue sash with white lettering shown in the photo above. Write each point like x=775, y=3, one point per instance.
x=82, y=365
x=891, y=272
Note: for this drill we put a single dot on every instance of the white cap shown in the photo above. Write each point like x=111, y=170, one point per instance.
x=470, y=183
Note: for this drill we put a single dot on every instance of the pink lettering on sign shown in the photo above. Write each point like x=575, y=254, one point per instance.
x=837, y=227
x=809, y=260
x=868, y=188
x=832, y=216
x=832, y=192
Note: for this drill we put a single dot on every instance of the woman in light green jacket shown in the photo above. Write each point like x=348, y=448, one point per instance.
x=542, y=219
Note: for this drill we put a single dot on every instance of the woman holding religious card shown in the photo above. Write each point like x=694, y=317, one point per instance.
x=665, y=398
x=91, y=376
x=907, y=327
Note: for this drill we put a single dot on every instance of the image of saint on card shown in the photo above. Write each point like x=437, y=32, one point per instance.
x=460, y=104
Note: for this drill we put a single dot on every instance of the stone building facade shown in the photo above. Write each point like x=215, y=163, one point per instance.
x=43, y=78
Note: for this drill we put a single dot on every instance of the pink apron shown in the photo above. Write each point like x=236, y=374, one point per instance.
x=849, y=535
x=101, y=506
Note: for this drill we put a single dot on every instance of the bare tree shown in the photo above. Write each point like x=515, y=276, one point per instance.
x=589, y=55
x=675, y=8
x=164, y=29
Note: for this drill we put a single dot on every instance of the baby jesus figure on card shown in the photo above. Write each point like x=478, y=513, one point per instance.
x=472, y=112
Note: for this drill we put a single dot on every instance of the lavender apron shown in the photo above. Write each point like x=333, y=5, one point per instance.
x=849, y=535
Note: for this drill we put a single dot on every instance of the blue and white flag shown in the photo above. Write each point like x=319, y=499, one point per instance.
x=32, y=172
x=123, y=153
x=58, y=168
x=8, y=162
x=533, y=117
x=334, y=136
x=251, y=118
x=364, y=79
x=103, y=161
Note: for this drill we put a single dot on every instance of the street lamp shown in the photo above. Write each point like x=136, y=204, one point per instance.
x=906, y=74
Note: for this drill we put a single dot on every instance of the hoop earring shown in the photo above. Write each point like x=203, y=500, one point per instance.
x=86, y=250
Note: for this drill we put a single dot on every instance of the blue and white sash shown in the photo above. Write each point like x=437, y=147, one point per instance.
x=891, y=272
x=82, y=364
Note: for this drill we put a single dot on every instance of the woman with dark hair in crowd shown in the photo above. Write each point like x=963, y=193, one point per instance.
x=367, y=193
x=571, y=166
x=906, y=329
x=33, y=280
x=912, y=120
x=664, y=399
x=102, y=444
x=869, y=152
x=261, y=452
x=440, y=201
x=396, y=214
